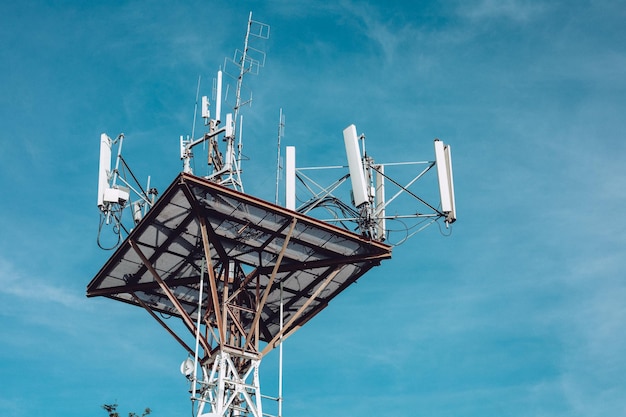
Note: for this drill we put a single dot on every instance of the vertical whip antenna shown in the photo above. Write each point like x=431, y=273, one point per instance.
x=281, y=133
x=195, y=110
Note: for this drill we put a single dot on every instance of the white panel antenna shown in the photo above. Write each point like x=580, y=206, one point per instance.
x=108, y=191
x=104, y=168
x=206, y=113
x=443, y=159
x=230, y=126
x=183, y=151
x=355, y=165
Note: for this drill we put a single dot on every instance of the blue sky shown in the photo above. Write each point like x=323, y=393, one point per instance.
x=520, y=312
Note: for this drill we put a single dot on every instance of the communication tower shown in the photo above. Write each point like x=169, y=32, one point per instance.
x=240, y=273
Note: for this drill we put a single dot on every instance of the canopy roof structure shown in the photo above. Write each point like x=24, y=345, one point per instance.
x=222, y=260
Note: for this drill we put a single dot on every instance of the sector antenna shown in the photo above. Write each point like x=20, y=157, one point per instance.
x=242, y=274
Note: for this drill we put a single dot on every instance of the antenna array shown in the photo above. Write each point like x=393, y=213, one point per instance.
x=226, y=166
x=114, y=197
x=368, y=211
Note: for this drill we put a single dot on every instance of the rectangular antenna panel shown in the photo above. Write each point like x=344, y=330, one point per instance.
x=290, y=177
x=205, y=108
x=229, y=126
x=443, y=160
x=182, y=147
x=104, y=168
x=355, y=164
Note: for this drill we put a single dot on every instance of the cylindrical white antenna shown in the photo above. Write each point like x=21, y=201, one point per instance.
x=290, y=177
x=218, y=97
x=240, y=143
x=137, y=215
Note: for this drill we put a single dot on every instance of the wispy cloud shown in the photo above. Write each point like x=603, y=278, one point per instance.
x=513, y=10
x=386, y=35
x=18, y=284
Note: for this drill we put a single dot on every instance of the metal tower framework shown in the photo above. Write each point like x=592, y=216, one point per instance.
x=241, y=274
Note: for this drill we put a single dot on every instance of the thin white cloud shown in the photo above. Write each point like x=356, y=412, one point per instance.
x=16, y=283
x=385, y=35
x=514, y=10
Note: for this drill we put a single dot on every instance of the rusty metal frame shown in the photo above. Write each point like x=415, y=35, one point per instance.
x=239, y=308
x=282, y=334
x=268, y=287
x=168, y=292
x=269, y=271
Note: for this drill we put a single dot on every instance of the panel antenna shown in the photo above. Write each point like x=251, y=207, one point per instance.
x=355, y=165
x=443, y=157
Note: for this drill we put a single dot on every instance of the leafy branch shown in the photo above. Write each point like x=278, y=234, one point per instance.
x=112, y=410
